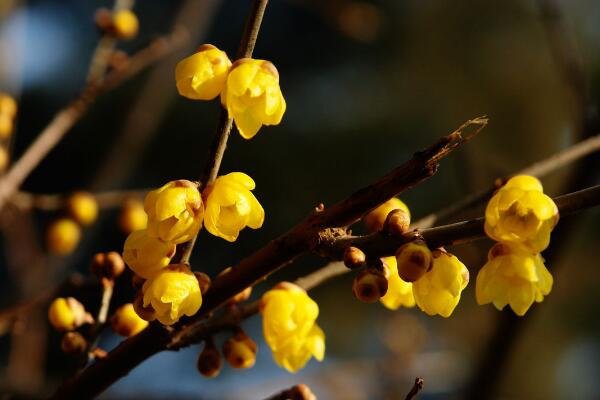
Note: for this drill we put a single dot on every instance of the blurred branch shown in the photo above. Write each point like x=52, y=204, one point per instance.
x=416, y=388
x=540, y=169
x=276, y=254
x=67, y=117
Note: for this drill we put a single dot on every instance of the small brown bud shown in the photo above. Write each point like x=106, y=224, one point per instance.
x=397, y=222
x=298, y=392
x=73, y=343
x=414, y=259
x=209, y=361
x=203, y=281
x=369, y=285
x=103, y=19
x=108, y=265
x=240, y=351
x=354, y=257
x=145, y=313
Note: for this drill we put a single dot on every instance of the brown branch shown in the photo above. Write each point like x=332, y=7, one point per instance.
x=281, y=251
x=67, y=117
x=219, y=144
x=297, y=392
x=416, y=388
x=539, y=169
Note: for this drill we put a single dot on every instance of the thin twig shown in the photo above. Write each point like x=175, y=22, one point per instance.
x=219, y=144
x=539, y=169
x=416, y=388
x=67, y=117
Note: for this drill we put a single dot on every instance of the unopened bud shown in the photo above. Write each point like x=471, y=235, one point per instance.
x=414, y=259
x=126, y=322
x=82, y=207
x=397, y=222
x=203, y=281
x=354, y=257
x=240, y=351
x=209, y=361
x=107, y=265
x=66, y=314
x=377, y=217
x=369, y=285
x=298, y=392
x=132, y=216
x=73, y=343
x=103, y=19
x=145, y=313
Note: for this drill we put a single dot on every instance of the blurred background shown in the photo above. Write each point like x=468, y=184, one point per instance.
x=367, y=84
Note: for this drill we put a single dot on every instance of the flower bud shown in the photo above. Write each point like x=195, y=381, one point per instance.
x=126, y=322
x=369, y=285
x=103, y=19
x=66, y=314
x=354, y=257
x=132, y=216
x=62, y=236
x=145, y=313
x=147, y=255
x=125, y=24
x=298, y=392
x=240, y=351
x=82, y=207
x=107, y=265
x=203, y=281
x=73, y=343
x=209, y=361
x=376, y=218
x=397, y=222
x=202, y=75
x=8, y=105
x=414, y=260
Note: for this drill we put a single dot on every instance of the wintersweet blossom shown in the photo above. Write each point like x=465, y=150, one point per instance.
x=174, y=211
x=147, y=255
x=231, y=206
x=522, y=215
x=126, y=322
x=202, y=75
x=172, y=293
x=289, y=326
x=376, y=218
x=66, y=314
x=439, y=290
x=512, y=277
x=252, y=96
x=399, y=293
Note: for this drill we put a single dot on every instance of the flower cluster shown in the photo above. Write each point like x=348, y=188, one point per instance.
x=175, y=214
x=520, y=217
x=249, y=88
x=289, y=326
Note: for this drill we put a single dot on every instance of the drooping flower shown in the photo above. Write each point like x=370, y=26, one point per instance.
x=172, y=293
x=126, y=322
x=512, y=277
x=174, y=211
x=202, y=75
x=252, y=96
x=439, y=290
x=231, y=206
x=147, y=255
x=399, y=293
x=66, y=314
x=289, y=326
x=376, y=218
x=522, y=215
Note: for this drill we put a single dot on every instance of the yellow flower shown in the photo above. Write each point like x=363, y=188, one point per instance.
x=125, y=24
x=126, y=322
x=512, y=277
x=399, y=292
x=132, y=216
x=8, y=105
x=252, y=96
x=230, y=206
x=438, y=291
x=289, y=326
x=83, y=207
x=202, y=75
x=376, y=218
x=174, y=211
x=172, y=293
x=6, y=126
x=146, y=255
x=66, y=314
x=63, y=236
x=4, y=157
x=520, y=214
